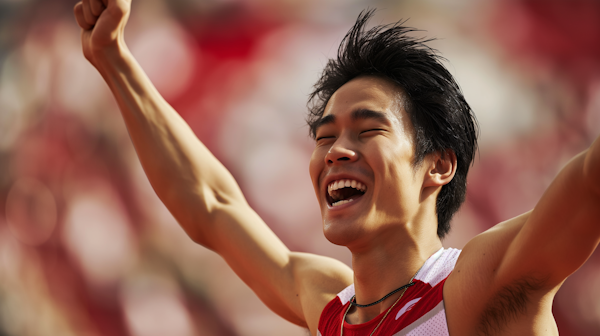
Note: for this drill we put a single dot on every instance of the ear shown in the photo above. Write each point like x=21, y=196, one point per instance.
x=441, y=168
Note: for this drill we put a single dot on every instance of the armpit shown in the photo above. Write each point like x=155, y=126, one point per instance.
x=508, y=304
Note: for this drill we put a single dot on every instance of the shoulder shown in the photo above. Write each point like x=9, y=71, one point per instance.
x=474, y=295
x=320, y=280
x=482, y=255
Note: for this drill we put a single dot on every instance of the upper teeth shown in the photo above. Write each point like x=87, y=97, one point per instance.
x=335, y=185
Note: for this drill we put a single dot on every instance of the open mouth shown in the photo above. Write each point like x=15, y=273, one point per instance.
x=344, y=191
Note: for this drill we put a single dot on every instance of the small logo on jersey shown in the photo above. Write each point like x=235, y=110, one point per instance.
x=408, y=306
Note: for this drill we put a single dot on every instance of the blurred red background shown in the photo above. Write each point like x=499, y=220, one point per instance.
x=86, y=248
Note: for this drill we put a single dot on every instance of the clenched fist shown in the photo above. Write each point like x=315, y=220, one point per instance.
x=102, y=23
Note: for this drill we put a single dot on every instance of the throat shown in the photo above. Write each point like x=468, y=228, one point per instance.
x=384, y=270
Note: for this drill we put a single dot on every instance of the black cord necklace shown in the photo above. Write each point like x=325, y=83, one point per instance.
x=353, y=301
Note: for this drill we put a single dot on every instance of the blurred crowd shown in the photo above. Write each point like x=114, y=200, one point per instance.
x=86, y=247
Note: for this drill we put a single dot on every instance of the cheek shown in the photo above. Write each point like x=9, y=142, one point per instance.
x=315, y=167
x=391, y=157
x=395, y=163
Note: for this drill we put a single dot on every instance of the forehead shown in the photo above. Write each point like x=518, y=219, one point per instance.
x=369, y=93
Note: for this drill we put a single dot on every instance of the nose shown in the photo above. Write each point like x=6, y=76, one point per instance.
x=340, y=152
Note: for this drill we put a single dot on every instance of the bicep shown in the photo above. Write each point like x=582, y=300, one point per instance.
x=560, y=234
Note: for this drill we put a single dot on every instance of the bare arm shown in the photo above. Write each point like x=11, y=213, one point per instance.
x=563, y=230
x=196, y=188
x=515, y=268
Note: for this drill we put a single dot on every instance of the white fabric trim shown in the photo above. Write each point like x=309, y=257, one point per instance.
x=432, y=323
x=346, y=294
x=438, y=267
x=435, y=269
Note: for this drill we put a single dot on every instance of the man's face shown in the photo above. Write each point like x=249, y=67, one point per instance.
x=361, y=167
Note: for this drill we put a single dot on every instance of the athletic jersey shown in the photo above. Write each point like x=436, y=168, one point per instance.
x=420, y=311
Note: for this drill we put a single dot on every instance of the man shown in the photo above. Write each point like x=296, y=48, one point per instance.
x=394, y=141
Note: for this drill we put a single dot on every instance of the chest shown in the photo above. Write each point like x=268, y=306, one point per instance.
x=419, y=312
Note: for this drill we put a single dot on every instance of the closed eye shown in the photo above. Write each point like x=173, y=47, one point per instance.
x=373, y=130
x=324, y=137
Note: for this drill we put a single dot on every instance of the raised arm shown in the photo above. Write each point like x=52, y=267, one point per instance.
x=514, y=269
x=563, y=229
x=196, y=188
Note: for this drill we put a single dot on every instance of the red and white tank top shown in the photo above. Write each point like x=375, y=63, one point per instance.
x=420, y=312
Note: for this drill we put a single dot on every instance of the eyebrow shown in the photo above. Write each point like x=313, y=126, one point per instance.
x=360, y=114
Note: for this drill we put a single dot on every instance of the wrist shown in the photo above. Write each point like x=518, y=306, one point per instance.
x=109, y=56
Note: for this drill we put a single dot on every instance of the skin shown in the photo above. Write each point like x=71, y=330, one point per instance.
x=394, y=222
x=512, y=270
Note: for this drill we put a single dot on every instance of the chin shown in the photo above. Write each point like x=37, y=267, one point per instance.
x=342, y=233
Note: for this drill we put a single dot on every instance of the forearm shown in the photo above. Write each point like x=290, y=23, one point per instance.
x=195, y=187
x=180, y=168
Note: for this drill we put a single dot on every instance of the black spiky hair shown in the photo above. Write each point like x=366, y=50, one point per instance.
x=441, y=117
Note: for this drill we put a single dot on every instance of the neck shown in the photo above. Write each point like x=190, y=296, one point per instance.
x=385, y=266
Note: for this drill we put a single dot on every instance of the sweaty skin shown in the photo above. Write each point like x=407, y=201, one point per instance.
x=504, y=280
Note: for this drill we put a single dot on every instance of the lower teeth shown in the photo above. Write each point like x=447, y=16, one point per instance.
x=341, y=202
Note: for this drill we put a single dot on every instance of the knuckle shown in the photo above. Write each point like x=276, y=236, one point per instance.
x=97, y=7
x=117, y=11
x=79, y=17
x=77, y=9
